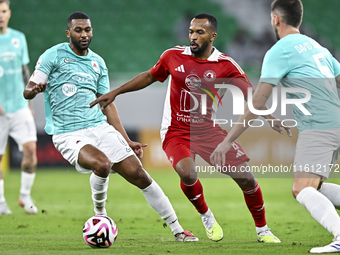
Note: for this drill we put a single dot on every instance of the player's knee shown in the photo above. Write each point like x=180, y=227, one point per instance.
x=246, y=183
x=29, y=150
x=188, y=180
x=296, y=189
x=141, y=176
x=102, y=167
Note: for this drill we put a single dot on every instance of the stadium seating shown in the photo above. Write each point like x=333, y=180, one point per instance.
x=129, y=35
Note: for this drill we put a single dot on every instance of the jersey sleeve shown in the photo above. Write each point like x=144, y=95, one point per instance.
x=103, y=85
x=237, y=77
x=275, y=66
x=160, y=70
x=25, y=58
x=46, y=61
x=336, y=67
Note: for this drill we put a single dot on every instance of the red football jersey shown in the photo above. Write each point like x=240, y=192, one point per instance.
x=192, y=99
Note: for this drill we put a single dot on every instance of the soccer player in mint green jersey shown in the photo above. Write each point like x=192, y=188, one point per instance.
x=300, y=63
x=16, y=115
x=94, y=141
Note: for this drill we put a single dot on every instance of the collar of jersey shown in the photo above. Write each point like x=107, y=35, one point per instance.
x=89, y=53
x=9, y=31
x=213, y=57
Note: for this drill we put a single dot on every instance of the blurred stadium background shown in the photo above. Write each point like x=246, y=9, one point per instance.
x=131, y=35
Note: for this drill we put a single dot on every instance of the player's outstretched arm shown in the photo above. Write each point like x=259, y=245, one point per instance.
x=32, y=89
x=139, y=82
x=260, y=97
x=113, y=119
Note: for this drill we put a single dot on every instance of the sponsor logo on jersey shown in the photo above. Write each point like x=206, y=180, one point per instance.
x=16, y=42
x=95, y=65
x=69, y=89
x=7, y=56
x=180, y=69
x=82, y=78
x=69, y=60
x=209, y=76
x=193, y=81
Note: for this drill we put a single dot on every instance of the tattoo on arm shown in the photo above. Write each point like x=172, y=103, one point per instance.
x=25, y=74
x=267, y=97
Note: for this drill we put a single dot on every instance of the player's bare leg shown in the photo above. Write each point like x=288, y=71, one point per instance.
x=320, y=207
x=131, y=169
x=28, y=166
x=192, y=188
x=3, y=205
x=254, y=200
x=91, y=158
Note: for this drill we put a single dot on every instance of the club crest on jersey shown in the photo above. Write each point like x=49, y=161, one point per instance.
x=15, y=42
x=38, y=64
x=193, y=81
x=209, y=75
x=95, y=65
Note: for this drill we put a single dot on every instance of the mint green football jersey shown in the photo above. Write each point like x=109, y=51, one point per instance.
x=298, y=61
x=73, y=82
x=13, y=55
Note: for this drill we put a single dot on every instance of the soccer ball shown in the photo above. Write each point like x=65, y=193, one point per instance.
x=100, y=231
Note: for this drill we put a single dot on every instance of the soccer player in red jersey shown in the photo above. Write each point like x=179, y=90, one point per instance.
x=189, y=110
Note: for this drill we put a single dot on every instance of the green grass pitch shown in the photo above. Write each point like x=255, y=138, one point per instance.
x=64, y=202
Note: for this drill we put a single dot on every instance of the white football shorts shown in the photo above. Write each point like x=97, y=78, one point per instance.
x=104, y=137
x=20, y=126
x=317, y=151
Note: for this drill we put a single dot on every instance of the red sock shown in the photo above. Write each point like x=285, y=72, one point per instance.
x=195, y=194
x=255, y=203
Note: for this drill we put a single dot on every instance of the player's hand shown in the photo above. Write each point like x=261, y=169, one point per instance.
x=39, y=87
x=137, y=148
x=2, y=111
x=217, y=158
x=107, y=98
x=276, y=125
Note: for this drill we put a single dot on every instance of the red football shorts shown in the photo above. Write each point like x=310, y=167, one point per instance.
x=178, y=146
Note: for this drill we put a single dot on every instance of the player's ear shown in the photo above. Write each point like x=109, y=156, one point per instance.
x=67, y=33
x=213, y=36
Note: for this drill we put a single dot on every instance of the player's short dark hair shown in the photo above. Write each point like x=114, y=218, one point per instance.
x=291, y=10
x=76, y=15
x=212, y=20
x=5, y=1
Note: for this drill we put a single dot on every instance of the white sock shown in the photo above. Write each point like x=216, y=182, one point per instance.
x=332, y=192
x=2, y=194
x=160, y=202
x=321, y=209
x=261, y=229
x=99, y=188
x=208, y=219
x=27, y=180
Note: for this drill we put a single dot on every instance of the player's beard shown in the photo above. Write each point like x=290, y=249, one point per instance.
x=77, y=44
x=200, y=50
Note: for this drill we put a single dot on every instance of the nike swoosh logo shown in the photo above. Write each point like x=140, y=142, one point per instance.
x=210, y=233
x=69, y=60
